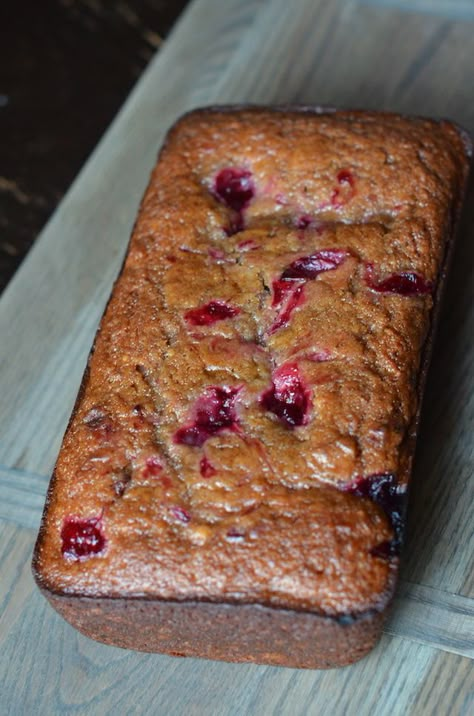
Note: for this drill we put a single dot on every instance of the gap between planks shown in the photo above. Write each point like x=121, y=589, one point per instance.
x=452, y=9
x=420, y=613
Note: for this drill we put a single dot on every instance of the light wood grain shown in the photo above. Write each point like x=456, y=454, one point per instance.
x=456, y=695
x=23, y=496
x=364, y=54
x=460, y=9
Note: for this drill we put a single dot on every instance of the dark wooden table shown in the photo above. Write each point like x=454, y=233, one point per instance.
x=66, y=67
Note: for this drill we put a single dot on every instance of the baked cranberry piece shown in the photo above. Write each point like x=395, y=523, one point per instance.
x=288, y=398
x=180, y=514
x=291, y=295
x=99, y=423
x=206, y=468
x=303, y=221
x=281, y=291
x=234, y=188
x=405, y=283
x=345, y=191
x=309, y=267
x=82, y=538
x=153, y=467
x=214, y=411
x=248, y=245
x=210, y=313
x=383, y=489
x=288, y=289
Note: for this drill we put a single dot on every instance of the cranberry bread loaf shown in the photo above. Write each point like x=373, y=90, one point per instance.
x=232, y=483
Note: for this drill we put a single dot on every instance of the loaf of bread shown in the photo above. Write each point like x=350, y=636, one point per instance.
x=232, y=483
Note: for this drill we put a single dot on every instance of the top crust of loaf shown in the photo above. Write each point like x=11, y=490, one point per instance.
x=245, y=429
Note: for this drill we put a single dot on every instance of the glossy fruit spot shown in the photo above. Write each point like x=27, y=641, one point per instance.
x=206, y=468
x=386, y=549
x=309, y=267
x=216, y=254
x=234, y=188
x=345, y=177
x=302, y=222
x=405, y=283
x=383, y=489
x=281, y=291
x=153, y=467
x=289, y=295
x=288, y=398
x=180, y=514
x=99, y=423
x=345, y=191
x=214, y=411
x=248, y=245
x=288, y=290
x=81, y=538
x=210, y=313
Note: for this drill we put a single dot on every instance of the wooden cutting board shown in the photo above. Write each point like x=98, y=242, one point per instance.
x=414, y=57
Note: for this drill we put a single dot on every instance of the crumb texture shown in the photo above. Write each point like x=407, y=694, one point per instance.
x=245, y=429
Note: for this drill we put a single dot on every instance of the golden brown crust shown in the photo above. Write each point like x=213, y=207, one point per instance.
x=262, y=513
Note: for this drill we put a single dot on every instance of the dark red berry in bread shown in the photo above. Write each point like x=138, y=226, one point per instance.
x=405, y=283
x=214, y=411
x=309, y=267
x=384, y=489
x=234, y=188
x=288, y=289
x=100, y=423
x=290, y=294
x=206, y=468
x=288, y=398
x=82, y=538
x=345, y=191
x=248, y=245
x=153, y=467
x=345, y=177
x=281, y=291
x=302, y=222
x=180, y=514
x=210, y=313
x=386, y=549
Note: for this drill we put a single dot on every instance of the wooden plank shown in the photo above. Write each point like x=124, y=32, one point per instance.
x=454, y=9
x=456, y=696
x=430, y=616
x=23, y=496
x=343, y=53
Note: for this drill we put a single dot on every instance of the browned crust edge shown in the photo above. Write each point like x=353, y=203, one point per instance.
x=243, y=632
